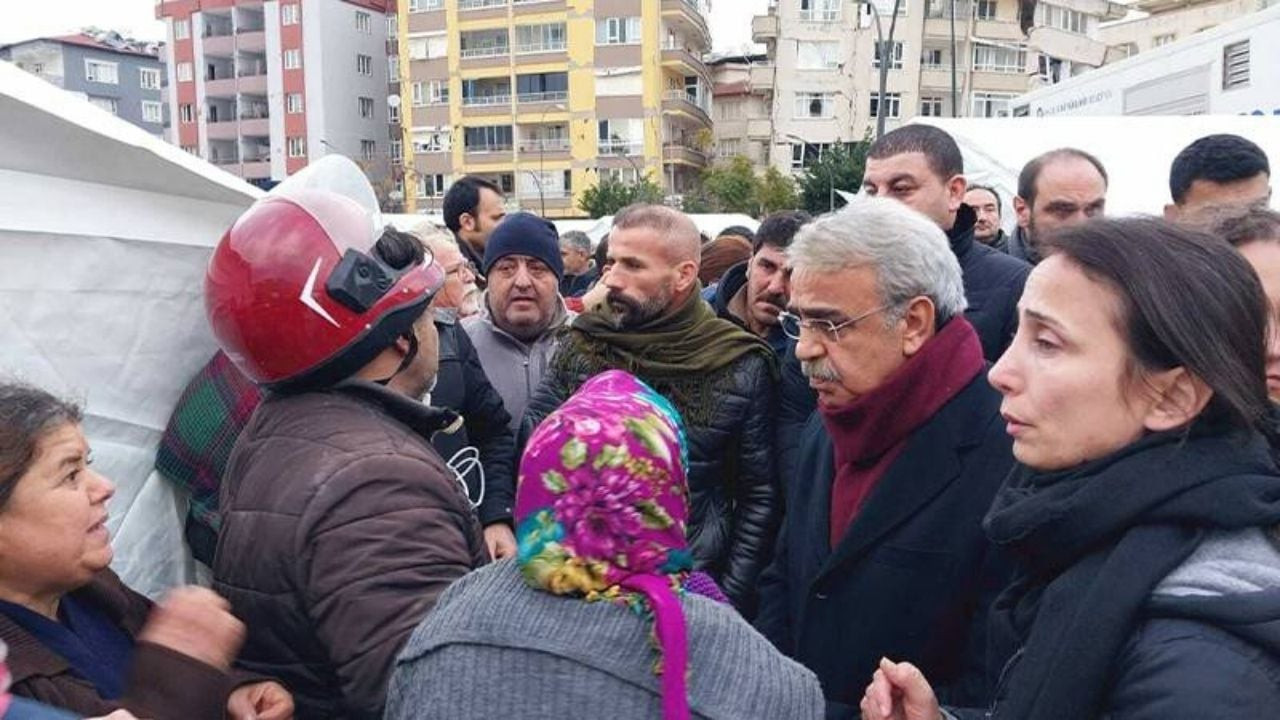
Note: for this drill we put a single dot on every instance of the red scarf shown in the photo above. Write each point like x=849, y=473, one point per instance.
x=869, y=433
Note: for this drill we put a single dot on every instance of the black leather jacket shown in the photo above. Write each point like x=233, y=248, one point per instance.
x=734, y=500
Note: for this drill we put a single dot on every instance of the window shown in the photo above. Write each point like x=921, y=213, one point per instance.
x=993, y=58
x=488, y=138
x=985, y=10
x=425, y=5
x=1072, y=21
x=149, y=78
x=393, y=114
x=620, y=136
x=893, y=105
x=885, y=7
x=186, y=113
x=1050, y=68
x=820, y=10
x=814, y=105
x=1235, y=65
x=152, y=112
x=431, y=185
x=542, y=87
x=418, y=49
x=430, y=93
x=297, y=147
x=618, y=31
x=932, y=58
x=540, y=38
x=364, y=64
x=1128, y=49
x=97, y=71
x=624, y=175
x=397, y=150
x=293, y=103
x=393, y=28
x=393, y=68
x=931, y=106
x=730, y=109
x=991, y=104
x=289, y=16
x=184, y=72
x=729, y=147
x=805, y=154
x=365, y=106
x=368, y=149
x=431, y=141
x=363, y=23
x=111, y=105
x=817, y=55
x=897, y=56
x=181, y=29
x=1159, y=40
x=292, y=59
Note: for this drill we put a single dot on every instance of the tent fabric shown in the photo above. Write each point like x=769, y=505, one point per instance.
x=105, y=233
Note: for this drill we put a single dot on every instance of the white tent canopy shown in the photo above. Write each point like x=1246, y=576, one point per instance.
x=105, y=232
x=709, y=223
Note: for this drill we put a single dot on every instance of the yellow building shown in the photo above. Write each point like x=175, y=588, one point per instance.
x=545, y=97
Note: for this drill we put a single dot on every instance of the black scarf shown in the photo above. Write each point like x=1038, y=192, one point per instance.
x=1094, y=541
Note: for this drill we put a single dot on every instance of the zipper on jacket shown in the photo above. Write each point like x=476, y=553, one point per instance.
x=1004, y=677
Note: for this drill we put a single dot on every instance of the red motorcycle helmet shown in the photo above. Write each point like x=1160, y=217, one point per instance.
x=294, y=293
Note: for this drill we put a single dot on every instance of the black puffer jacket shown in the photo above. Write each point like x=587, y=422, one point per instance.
x=734, y=499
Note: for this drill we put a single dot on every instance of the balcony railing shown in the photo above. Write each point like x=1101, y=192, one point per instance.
x=486, y=100
x=542, y=96
x=253, y=70
x=544, y=145
x=255, y=114
x=480, y=4
x=491, y=148
x=541, y=47
x=486, y=51
x=621, y=147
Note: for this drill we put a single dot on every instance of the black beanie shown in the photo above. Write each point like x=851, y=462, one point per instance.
x=524, y=233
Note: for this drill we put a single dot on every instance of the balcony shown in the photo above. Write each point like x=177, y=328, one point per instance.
x=684, y=155
x=762, y=77
x=251, y=40
x=542, y=97
x=489, y=148
x=620, y=147
x=497, y=99
x=689, y=14
x=541, y=47
x=998, y=30
x=1067, y=46
x=259, y=127
x=219, y=45
x=255, y=170
x=681, y=101
x=224, y=87
x=489, y=51
x=480, y=4
x=544, y=145
x=939, y=76
x=255, y=84
x=764, y=28
x=223, y=130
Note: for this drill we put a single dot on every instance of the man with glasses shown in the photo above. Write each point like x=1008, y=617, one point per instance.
x=515, y=332
x=882, y=552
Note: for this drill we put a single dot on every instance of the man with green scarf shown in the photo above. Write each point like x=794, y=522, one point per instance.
x=721, y=378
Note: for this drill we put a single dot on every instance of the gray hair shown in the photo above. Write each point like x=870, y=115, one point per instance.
x=577, y=239
x=26, y=414
x=433, y=237
x=910, y=254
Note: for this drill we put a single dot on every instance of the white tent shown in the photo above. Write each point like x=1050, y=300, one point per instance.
x=105, y=232
x=1137, y=151
x=709, y=223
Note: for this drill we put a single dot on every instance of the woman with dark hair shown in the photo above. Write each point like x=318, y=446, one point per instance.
x=1143, y=513
x=603, y=578
x=78, y=638
x=1255, y=232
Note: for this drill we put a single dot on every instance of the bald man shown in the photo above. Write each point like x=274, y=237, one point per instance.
x=655, y=324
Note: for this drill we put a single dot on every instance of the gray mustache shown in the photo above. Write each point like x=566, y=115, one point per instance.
x=819, y=370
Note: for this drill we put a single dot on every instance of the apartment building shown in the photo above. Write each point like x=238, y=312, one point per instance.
x=120, y=76
x=260, y=87
x=545, y=97
x=1159, y=22
x=742, y=124
x=829, y=51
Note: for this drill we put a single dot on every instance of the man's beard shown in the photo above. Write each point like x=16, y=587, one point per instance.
x=630, y=313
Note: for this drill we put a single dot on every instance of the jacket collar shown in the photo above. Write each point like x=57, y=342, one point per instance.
x=423, y=419
x=1020, y=247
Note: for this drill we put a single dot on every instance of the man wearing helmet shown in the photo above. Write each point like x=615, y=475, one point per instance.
x=341, y=525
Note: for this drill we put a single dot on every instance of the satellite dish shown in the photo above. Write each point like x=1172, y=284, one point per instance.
x=393, y=101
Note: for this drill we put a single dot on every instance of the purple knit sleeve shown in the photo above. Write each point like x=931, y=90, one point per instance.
x=700, y=583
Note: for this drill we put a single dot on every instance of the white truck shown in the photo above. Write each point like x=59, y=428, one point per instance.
x=1232, y=69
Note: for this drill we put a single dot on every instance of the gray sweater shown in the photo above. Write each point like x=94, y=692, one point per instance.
x=496, y=648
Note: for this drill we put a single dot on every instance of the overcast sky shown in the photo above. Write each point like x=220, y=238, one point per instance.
x=730, y=19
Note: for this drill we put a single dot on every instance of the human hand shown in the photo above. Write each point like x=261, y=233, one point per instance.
x=198, y=623
x=899, y=691
x=260, y=701
x=500, y=540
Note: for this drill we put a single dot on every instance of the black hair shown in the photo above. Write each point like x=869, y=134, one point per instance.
x=1187, y=300
x=1248, y=225
x=994, y=194
x=602, y=252
x=1220, y=158
x=463, y=197
x=937, y=146
x=27, y=414
x=1030, y=174
x=399, y=249
x=741, y=231
x=779, y=229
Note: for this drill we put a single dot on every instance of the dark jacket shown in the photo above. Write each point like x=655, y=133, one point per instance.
x=162, y=684
x=341, y=526
x=733, y=495
x=476, y=258
x=1001, y=242
x=731, y=283
x=578, y=285
x=1019, y=246
x=462, y=386
x=992, y=284
x=912, y=577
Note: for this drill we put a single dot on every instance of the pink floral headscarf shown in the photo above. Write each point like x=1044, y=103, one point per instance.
x=601, y=510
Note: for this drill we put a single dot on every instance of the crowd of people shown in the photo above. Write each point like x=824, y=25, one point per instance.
x=886, y=463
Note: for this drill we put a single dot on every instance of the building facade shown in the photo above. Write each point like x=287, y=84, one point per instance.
x=1160, y=22
x=261, y=87
x=122, y=77
x=742, y=107
x=545, y=97
x=824, y=63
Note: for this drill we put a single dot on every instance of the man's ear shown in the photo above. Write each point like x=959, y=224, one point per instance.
x=467, y=222
x=1178, y=397
x=918, y=323
x=686, y=275
x=956, y=188
x=1023, y=211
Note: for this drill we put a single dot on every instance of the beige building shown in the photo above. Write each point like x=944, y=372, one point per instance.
x=545, y=97
x=824, y=71
x=1159, y=22
x=742, y=124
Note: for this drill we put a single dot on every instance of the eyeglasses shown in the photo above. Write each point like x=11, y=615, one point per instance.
x=794, y=325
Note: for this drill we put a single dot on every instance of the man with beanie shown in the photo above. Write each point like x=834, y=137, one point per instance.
x=515, y=332
x=720, y=377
